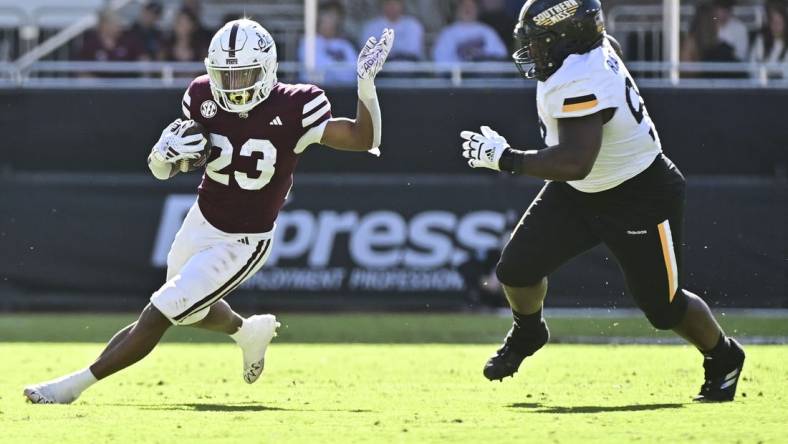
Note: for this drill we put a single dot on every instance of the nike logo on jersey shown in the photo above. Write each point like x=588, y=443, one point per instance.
x=276, y=122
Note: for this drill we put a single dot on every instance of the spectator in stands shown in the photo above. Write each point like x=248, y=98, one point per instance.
x=186, y=42
x=771, y=42
x=331, y=48
x=195, y=7
x=409, y=44
x=109, y=42
x=146, y=29
x=730, y=29
x=495, y=14
x=703, y=43
x=468, y=40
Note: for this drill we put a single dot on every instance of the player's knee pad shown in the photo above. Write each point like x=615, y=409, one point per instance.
x=173, y=303
x=515, y=275
x=668, y=315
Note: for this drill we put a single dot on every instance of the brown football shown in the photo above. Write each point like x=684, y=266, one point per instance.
x=187, y=165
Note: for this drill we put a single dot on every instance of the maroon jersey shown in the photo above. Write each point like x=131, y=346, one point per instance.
x=250, y=169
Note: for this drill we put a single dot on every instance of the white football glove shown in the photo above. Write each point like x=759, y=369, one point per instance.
x=483, y=150
x=373, y=55
x=370, y=61
x=173, y=146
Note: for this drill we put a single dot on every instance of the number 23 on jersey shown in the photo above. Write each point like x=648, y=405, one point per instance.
x=265, y=165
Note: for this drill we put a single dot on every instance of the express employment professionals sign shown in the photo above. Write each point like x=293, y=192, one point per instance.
x=376, y=246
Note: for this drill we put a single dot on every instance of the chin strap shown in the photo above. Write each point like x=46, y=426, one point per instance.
x=368, y=95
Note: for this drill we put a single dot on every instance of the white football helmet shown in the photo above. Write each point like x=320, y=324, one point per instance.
x=241, y=65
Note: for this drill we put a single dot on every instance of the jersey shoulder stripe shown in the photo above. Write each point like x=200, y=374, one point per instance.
x=198, y=92
x=314, y=103
x=307, y=102
x=572, y=104
x=316, y=110
x=324, y=111
x=186, y=103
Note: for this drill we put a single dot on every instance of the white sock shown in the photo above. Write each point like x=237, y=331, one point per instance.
x=241, y=336
x=79, y=381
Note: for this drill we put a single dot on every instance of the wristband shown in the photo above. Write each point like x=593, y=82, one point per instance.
x=512, y=161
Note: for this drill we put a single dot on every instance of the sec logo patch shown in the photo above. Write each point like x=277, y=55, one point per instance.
x=208, y=109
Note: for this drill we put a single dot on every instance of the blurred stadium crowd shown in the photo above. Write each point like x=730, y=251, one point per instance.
x=441, y=31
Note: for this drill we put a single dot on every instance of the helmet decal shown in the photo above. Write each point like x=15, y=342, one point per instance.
x=557, y=13
x=234, y=43
x=264, y=42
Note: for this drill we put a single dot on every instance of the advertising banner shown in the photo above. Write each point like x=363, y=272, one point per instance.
x=359, y=242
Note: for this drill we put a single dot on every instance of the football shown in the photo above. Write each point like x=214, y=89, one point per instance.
x=189, y=165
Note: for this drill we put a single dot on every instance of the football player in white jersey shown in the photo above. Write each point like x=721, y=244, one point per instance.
x=258, y=129
x=607, y=182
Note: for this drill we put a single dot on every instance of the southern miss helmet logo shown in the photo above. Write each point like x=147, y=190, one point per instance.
x=557, y=13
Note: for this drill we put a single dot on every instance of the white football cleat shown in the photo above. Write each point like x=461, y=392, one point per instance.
x=63, y=390
x=49, y=393
x=261, y=329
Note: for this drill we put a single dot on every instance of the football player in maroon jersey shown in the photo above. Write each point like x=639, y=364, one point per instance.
x=258, y=129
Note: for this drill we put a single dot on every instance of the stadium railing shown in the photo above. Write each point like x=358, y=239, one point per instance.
x=639, y=28
x=73, y=74
x=23, y=27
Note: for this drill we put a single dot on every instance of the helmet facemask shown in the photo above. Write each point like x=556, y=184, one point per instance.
x=533, y=56
x=238, y=89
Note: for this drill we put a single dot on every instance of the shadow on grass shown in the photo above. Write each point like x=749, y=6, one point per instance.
x=539, y=408
x=212, y=407
x=206, y=407
x=234, y=407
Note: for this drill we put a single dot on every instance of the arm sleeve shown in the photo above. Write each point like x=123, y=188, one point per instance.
x=578, y=98
x=314, y=114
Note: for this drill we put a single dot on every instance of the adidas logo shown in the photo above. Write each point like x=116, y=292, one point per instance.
x=245, y=240
x=276, y=122
x=730, y=379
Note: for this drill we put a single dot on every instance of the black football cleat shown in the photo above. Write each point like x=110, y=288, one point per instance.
x=517, y=346
x=722, y=375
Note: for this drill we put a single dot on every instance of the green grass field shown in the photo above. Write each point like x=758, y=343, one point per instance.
x=388, y=378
